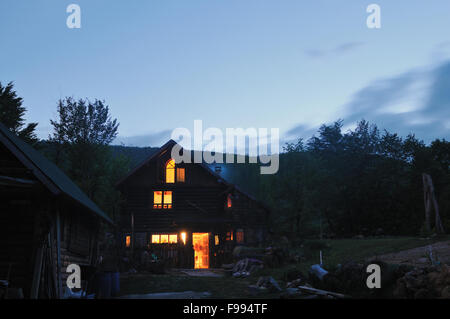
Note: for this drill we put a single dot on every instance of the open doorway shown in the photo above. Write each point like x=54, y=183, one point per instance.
x=200, y=242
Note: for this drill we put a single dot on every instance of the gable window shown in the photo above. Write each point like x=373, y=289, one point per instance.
x=162, y=199
x=181, y=177
x=170, y=171
x=229, y=201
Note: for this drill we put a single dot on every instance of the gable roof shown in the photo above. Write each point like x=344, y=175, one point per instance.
x=46, y=172
x=219, y=178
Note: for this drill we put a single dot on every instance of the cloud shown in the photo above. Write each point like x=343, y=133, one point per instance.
x=152, y=139
x=416, y=101
x=340, y=49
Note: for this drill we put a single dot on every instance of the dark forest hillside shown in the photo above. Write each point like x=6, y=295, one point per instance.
x=345, y=183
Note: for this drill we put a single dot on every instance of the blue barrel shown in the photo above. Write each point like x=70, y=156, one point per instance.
x=115, y=284
x=104, y=285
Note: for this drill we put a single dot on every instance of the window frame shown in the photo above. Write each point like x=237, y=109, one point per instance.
x=163, y=204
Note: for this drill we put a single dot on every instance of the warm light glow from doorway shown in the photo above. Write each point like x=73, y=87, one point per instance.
x=183, y=237
x=200, y=242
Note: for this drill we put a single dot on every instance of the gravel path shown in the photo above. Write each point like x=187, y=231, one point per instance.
x=419, y=256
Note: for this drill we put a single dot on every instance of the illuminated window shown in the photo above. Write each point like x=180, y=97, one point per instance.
x=160, y=201
x=128, y=241
x=170, y=171
x=229, y=236
x=157, y=199
x=183, y=237
x=239, y=236
x=164, y=239
x=216, y=240
x=155, y=239
x=180, y=175
x=167, y=199
x=229, y=201
x=173, y=239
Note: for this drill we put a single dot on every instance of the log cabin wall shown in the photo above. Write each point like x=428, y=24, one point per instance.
x=33, y=192
x=199, y=204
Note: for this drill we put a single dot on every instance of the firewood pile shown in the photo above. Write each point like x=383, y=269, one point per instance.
x=244, y=267
x=422, y=283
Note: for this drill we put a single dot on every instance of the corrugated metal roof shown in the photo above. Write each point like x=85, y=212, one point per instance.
x=52, y=173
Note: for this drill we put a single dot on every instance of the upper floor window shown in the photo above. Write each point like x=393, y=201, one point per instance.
x=181, y=177
x=170, y=171
x=174, y=173
x=162, y=199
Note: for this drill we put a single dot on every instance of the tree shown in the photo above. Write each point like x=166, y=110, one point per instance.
x=81, y=135
x=12, y=114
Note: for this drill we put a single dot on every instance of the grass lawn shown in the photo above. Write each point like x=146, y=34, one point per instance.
x=335, y=251
x=219, y=287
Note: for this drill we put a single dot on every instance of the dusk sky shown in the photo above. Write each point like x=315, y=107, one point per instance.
x=233, y=63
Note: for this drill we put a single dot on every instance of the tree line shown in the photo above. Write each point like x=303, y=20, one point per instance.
x=363, y=181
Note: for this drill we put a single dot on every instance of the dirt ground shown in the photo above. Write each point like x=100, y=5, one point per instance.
x=419, y=257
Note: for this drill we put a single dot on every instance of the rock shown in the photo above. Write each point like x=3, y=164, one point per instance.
x=445, y=293
x=295, y=283
x=273, y=285
x=269, y=283
x=423, y=260
x=293, y=291
x=422, y=294
x=255, y=289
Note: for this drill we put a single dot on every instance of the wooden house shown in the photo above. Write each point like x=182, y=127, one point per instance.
x=46, y=221
x=187, y=213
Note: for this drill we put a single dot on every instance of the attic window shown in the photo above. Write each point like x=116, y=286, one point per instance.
x=170, y=171
x=181, y=175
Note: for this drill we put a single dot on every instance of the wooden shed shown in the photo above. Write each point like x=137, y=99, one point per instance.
x=46, y=221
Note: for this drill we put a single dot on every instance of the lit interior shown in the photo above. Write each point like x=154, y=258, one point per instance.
x=229, y=201
x=201, y=250
x=173, y=239
x=164, y=239
x=183, y=237
x=128, y=241
x=170, y=171
x=157, y=199
x=216, y=240
x=180, y=175
x=167, y=199
x=155, y=239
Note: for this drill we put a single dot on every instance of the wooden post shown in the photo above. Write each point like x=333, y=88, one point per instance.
x=132, y=235
x=37, y=273
x=430, y=199
x=58, y=254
